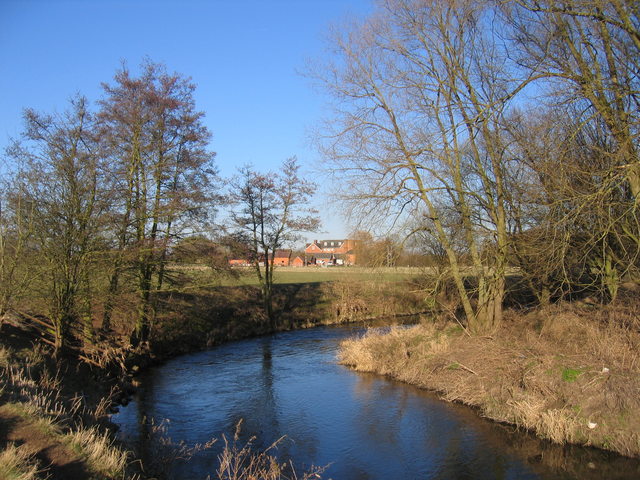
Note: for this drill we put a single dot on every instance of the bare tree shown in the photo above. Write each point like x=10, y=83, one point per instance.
x=422, y=90
x=61, y=177
x=579, y=222
x=586, y=54
x=163, y=173
x=271, y=212
x=592, y=47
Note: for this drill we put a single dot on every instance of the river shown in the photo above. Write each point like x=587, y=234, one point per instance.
x=361, y=426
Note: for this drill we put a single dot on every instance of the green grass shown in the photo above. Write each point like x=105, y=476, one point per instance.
x=288, y=275
x=571, y=374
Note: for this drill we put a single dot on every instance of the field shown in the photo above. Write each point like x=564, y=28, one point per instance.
x=296, y=275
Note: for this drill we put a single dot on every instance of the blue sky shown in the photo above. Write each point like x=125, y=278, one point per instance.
x=244, y=56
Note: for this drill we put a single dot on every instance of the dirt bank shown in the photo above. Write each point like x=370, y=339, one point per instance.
x=193, y=321
x=570, y=374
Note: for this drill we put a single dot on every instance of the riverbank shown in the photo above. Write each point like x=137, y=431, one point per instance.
x=54, y=415
x=568, y=373
x=193, y=321
x=54, y=412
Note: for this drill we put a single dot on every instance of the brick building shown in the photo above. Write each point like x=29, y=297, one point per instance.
x=330, y=252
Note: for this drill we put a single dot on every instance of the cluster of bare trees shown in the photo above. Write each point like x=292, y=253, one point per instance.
x=96, y=196
x=504, y=133
x=500, y=134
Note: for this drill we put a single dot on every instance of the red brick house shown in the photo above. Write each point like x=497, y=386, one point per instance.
x=331, y=252
x=282, y=258
x=297, y=262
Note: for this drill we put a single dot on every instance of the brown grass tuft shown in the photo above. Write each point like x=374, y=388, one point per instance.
x=242, y=462
x=99, y=451
x=16, y=463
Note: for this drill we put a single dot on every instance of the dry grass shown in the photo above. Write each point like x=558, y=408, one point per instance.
x=569, y=374
x=94, y=447
x=16, y=463
x=99, y=451
x=241, y=462
x=161, y=452
x=31, y=392
x=237, y=460
x=355, y=301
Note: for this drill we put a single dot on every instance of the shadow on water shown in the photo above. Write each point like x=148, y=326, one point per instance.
x=364, y=426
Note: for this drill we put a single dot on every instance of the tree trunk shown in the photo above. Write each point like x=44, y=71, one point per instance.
x=488, y=315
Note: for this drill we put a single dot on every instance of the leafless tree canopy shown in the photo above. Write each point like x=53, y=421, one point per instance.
x=103, y=194
x=505, y=131
x=270, y=212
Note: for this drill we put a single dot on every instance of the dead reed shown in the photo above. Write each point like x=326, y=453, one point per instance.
x=240, y=461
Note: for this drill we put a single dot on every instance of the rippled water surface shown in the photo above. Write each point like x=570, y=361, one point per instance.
x=362, y=426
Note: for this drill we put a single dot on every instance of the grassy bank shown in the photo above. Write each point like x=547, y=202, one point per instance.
x=212, y=315
x=53, y=416
x=570, y=374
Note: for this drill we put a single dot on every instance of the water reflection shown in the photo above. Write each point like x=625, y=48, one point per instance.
x=366, y=427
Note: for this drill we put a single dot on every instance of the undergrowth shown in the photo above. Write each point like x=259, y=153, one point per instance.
x=30, y=391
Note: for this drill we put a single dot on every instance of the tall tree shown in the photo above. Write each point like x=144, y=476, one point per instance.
x=422, y=90
x=60, y=180
x=163, y=173
x=272, y=210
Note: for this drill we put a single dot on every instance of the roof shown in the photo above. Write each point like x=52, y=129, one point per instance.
x=330, y=243
x=282, y=254
x=327, y=243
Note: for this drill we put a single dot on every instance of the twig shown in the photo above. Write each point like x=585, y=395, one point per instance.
x=466, y=368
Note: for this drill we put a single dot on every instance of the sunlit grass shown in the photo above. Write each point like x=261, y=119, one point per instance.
x=246, y=276
x=16, y=463
x=99, y=451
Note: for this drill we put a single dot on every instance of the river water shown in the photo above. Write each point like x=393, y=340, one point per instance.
x=361, y=426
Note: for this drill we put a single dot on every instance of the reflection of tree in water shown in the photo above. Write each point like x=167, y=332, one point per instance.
x=260, y=417
x=143, y=403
